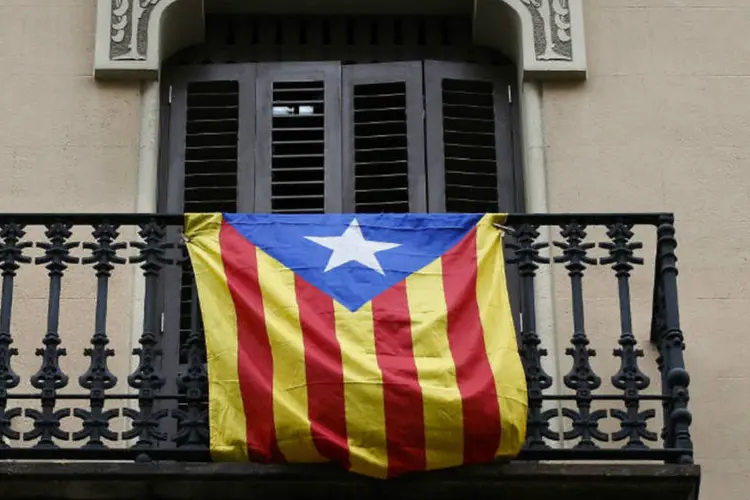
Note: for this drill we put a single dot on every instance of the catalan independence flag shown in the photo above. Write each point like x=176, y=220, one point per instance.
x=382, y=342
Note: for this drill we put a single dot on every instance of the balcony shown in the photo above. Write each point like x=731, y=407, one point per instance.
x=81, y=416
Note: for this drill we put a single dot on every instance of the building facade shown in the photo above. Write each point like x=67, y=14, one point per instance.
x=599, y=107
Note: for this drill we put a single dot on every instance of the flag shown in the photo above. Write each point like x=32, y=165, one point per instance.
x=382, y=342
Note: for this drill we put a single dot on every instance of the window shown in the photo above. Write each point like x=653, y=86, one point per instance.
x=317, y=137
x=333, y=115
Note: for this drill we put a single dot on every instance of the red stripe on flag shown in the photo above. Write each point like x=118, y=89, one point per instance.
x=402, y=395
x=466, y=338
x=324, y=372
x=255, y=360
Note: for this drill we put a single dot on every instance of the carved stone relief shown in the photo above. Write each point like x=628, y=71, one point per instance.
x=552, y=29
x=129, y=34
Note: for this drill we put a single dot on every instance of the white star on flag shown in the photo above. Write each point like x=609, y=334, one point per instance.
x=352, y=247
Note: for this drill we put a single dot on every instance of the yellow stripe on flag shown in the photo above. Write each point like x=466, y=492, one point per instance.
x=290, y=408
x=363, y=391
x=443, y=415
x=500, y=335
x=228, y=426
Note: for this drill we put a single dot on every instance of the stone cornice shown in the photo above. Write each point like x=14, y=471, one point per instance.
x=544, y=36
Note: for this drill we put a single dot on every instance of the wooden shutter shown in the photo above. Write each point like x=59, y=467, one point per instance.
x=469, y=146
x=211, y=169
x=211, y=141
x=212, y=133
x=383, y=138
x=298, y=153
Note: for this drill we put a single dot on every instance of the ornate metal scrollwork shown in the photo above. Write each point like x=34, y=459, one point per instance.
x=11, y=258
x=581, y=376
x=629, y=378
x=527, y=259
x=98, y=378
x=50, y=378
x=193, y=422
x=147, y=377
x=168, y=408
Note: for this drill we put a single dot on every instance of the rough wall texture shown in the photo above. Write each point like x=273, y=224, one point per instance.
x=663, y=124
x=67, y=144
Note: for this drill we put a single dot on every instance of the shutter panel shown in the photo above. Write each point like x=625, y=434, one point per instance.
x=211, y=136
x=211, y=140
x=298, y=152
x=212, y=133
x=383, y=130
x=469, y=147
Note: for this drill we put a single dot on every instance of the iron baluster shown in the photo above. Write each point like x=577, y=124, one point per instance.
x=581, y=377
x=11, y=256
x=537, y=380
x=657, y=334
x=98, y=378
x=629, y=378
x=147, y=377
x=50, y=378
x=193, y=422
x=672, y=343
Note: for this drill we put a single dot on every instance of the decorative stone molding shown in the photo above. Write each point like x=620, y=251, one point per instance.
x=552, y=29
x=129, y=33
x=545, y=36
x=134, y=36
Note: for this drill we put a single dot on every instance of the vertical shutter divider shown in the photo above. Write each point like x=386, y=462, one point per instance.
x=332, y=123
x=348, y=74
x=246, y=140
x=434, y=142
x=415, y=134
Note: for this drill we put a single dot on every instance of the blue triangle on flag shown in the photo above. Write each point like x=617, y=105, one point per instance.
x=354, y=257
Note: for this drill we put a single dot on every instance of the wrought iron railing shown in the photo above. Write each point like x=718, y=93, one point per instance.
x=153, y=405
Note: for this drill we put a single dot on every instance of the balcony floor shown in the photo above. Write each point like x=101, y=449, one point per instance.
x=187, y=481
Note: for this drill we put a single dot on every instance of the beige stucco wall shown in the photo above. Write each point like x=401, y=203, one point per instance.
x=663, y=124
x=67, y=144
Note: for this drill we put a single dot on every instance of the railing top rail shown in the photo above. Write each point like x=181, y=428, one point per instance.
x=644, y=218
